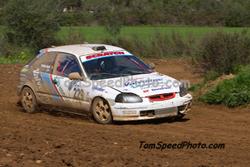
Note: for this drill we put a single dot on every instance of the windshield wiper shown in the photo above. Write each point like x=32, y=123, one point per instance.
x=134, y=72
x=100, y=74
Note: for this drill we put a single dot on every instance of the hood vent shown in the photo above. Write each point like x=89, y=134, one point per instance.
x=99, y=48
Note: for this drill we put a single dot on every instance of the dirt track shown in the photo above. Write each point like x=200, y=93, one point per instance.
x=46, y=139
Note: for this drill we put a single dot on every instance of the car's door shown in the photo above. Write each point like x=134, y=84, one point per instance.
x=41, y=69
x=72, y=93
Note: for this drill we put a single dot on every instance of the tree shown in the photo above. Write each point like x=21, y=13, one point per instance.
x=109, y=13
x=236, y=14
x=75, y=4
x=3, y=3
x=31, y=23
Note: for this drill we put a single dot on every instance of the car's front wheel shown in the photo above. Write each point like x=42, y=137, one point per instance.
x=28, y=100
x=101, y=111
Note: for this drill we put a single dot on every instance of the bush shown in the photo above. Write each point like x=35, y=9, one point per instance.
x=232, y=93
x=236, y=15
x=135, y=45
x=159, y=46
x=109, y=14
x=18, y=55
x=178, y=45
x=211, y=76
x=113, y=25
x=1, y=17
x=7, y=50
x=31, y=23
x=74, y=37
x=223, y=52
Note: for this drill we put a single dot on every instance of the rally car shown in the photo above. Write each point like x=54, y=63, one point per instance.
x=107, y=81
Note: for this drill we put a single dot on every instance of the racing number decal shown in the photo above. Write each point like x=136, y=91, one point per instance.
x=78, y=94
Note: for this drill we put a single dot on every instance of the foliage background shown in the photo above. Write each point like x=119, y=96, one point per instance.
x=147, y=12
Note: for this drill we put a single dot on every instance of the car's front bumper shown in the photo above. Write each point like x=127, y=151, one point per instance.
x=151, y=110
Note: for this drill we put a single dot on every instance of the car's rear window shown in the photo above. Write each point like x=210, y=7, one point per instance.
x=43, y=62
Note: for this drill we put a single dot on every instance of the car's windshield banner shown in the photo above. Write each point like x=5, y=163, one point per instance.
x=104, y=54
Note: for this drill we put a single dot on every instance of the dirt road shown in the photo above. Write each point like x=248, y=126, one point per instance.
x=57, y=140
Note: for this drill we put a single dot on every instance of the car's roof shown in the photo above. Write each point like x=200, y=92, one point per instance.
x=84, y=49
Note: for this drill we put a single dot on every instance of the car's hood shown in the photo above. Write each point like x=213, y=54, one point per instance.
x=144, y=84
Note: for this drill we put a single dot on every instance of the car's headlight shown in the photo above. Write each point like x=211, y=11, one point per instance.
x=128, y=98
x=183, y=90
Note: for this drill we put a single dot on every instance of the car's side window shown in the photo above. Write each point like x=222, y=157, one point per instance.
x=44, y=62
x=66, y=64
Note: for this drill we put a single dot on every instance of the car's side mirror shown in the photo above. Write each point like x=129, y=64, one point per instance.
x=152, y=65
x=75, y=76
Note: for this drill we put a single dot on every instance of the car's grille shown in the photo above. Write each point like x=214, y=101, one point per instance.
x=147, y=113
x=162, y=97
x=166, y=111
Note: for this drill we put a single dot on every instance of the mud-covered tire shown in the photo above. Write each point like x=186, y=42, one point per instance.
x=28, y=100
x=101, y=111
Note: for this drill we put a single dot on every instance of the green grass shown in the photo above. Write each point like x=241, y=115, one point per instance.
x=21, y=57
x=14, y=60
x=98, y=33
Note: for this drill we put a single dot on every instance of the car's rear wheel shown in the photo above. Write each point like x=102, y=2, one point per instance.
x=101, y=111
x=28, y=100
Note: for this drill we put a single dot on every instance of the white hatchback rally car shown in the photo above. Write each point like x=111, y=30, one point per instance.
x=106, y=81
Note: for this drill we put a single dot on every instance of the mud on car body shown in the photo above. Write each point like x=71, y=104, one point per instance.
x=106, y=81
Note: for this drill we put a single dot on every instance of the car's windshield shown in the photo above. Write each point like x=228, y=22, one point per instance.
x=115, y=66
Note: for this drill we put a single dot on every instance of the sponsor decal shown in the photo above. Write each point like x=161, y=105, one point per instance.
x=98, y=89
x=144, y=83
x=37, y=78
x=157, y=89
x=57, y=91
x=103, y=54
x=59, y=87
x=45, y=68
